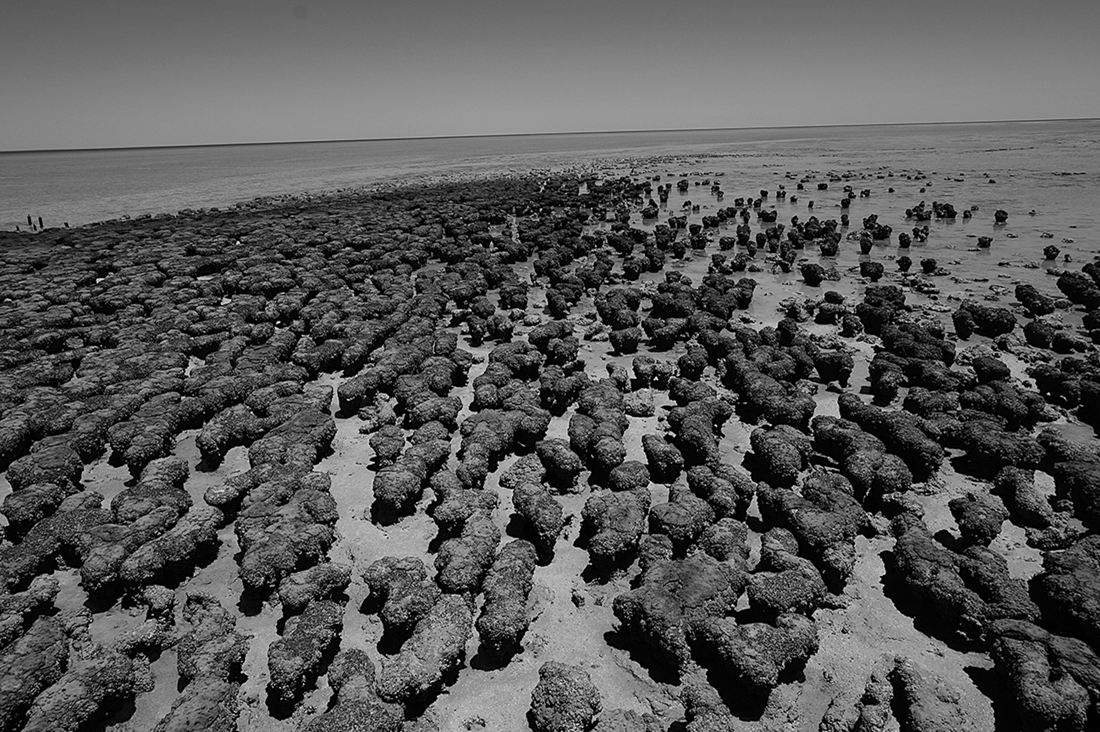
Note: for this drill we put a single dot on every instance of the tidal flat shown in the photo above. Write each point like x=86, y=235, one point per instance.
x=651, y=448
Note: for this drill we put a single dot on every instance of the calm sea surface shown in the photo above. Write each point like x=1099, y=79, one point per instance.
x=1053, y=167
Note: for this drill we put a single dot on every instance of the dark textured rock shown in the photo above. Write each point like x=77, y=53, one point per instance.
x=457, y=503
x=527, y=469
x=561, y=463
x=664, y=459
x=782, y=453
x=825, y=519
x=387, y=443
x=672, y=593
x=991, y=448
x=725, y=540
x=1027, y=504
x=704, y=709
x=212, y=650
x=1080, y=481
x=900, y=432
x=403, y=589
x=863, y=458
x=435, y=648
x=784, y=582
x=57, y=464
x=979, y=517
x=728, y=490
x=294, y=659
x=29, y=665
x=283, y=525
x=463, y=561
x=752, y=656
x=813, y=274
x=928, y=703
x=682, y=519
x=195, y=531
x=356, y=703
x=1039, y=333
x=615, y=522
x=1068, y=589
x=965, y=592
x=93, y=681
x=629, y=476
x=24, y=508
x=989, y=321
x=543, y=514
x=160, y=484
x=1053, y=681
x=504, y=619
x=209, y=658
x=564, y=700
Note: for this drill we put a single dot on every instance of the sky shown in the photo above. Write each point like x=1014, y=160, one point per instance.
x=115, y=73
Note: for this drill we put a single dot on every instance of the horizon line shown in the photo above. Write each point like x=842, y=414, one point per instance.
x=532, y=134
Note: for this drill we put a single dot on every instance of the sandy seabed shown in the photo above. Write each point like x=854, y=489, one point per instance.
x=196, y=411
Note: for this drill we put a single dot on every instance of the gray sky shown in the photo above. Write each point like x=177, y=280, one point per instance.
x=92, y=73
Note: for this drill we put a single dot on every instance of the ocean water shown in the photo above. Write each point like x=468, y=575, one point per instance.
x=1051, y=167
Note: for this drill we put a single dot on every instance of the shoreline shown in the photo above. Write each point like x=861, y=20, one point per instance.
x=83, y=187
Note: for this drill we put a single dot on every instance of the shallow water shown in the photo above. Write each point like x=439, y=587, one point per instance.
x=79, y=187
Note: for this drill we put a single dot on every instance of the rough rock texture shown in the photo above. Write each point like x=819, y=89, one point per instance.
x=615, y=522
x=316, y=583
x=784, y=582
x=683, y=519
x=198, y=528
x=825, y=519
x=704, y=708
x=92, y=683
x=1053, y=681
x=979, y=517
x=928, y=702
x=402, y=588
x=564, y=700
x=18, y=609
x=504, y=616
x=664, y=459
x=728, y=490
x=294, y=660
x=435, y=648
x=463, y=561
x=672, y=593
x=965, y=592
x=1068, y=589
x=209, y=657
x=542, y=513
x=752, y=656
x=32, y=663
x=782, y=452
x=356, y=704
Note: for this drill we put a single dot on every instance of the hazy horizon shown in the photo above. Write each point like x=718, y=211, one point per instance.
x=549, y=134
x=127, y=73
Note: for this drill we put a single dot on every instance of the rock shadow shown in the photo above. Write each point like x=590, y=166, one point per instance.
x=658, y=671
x=1005, y=716
x=924, y=617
